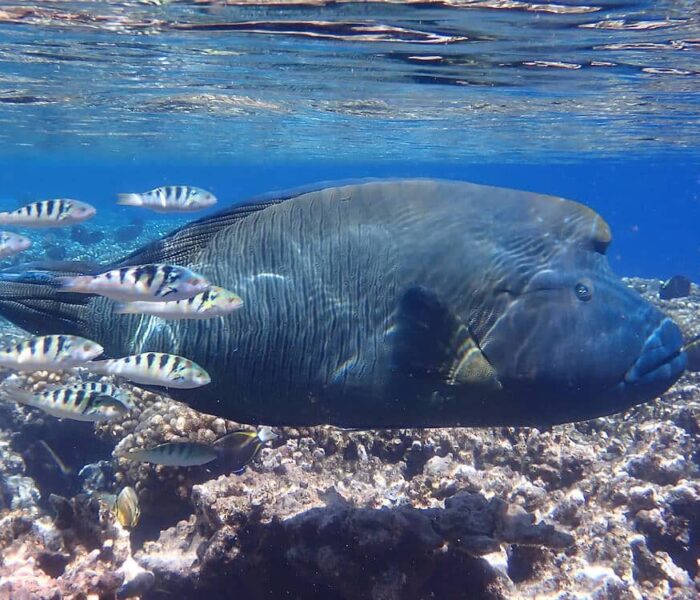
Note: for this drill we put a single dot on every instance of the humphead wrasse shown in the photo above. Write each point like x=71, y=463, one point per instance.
x=401, y=303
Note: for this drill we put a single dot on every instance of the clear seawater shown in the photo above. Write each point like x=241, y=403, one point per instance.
x=596, y=101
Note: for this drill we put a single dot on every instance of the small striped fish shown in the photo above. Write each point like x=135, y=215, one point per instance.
x=49, y=213
x=11, y=244
x=175, y=454
x=76, y=402
x=49, y=353
x=214, y=302
x=170, y=198
x=235, y=449
x=153, y=283
x=107, y=390
x=154, y=368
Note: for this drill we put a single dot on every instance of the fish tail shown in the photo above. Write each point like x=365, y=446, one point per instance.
x=126, y=308
x=98, y=367
x=237, y=449
x=77, y=283
x=129, y=200
x=31, y=297
x=13, y=393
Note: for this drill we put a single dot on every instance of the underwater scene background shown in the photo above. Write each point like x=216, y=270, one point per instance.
x=596, y=102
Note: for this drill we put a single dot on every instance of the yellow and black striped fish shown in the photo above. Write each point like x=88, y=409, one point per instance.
x=154, y=368
x=214, y=302
x=170, y=198
x=49, y=353
x=49, y=213
x=77, y=402
x=153, y=282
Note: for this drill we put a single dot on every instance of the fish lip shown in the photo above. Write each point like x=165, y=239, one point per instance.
x=662, y=356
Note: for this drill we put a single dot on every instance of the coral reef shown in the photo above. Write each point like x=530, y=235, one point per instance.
x=608, y=508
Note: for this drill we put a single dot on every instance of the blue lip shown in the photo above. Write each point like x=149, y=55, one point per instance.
x=662, y=357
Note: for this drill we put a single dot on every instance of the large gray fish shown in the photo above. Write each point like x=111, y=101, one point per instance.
x=400, y=303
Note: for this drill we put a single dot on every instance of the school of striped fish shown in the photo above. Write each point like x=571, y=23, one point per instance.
x=164, y=291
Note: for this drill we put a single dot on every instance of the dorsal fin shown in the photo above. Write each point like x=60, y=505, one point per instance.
x=183, y=244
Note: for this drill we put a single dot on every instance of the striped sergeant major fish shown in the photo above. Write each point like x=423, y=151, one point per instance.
x=214, y=302
x=236, y=449
x=49, y=353
x=154, y=368
x=152, y=283
x=49, y=213
x=11, y=244
x=170, y=198
x=77, y=402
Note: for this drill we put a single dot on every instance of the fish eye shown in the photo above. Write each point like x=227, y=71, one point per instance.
x=583, y=292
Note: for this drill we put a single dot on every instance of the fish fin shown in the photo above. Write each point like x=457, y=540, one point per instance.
x=14, y=393
x=29, y=297
x=237, y=449
x=692, y=350
x=123, y=308
x=129, y=200
x=184, y=244
x=430, y=342
x=73, y=284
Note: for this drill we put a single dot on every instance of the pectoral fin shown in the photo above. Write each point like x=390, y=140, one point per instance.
x=429, y=341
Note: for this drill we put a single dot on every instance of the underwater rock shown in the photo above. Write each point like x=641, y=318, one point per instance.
x=86, y=235
x=676, y=287
x=127, y=233
x=55, y=251
x=317, y=536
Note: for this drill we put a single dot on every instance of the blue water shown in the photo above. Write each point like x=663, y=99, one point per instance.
x=596, y=101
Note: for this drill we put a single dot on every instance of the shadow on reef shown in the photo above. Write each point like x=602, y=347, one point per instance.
x=348, y=553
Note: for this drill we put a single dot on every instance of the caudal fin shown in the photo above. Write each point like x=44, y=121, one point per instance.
x=77, y=283
x=126, y=308
x=129, y=200
x=32, y=297
x=10, y=391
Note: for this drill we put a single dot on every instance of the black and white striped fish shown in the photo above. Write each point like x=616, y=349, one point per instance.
x=154, y=368
x=170, y=198
x=49, y=213
x=151, y=283
x=236, y=449
x=106, y=389
x=11, y=244
x=214, y=302
x=49, y=353
x=76, y=402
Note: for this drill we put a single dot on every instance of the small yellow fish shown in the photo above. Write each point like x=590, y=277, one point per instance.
x=126, y=508
x=153, y=283
x=49, y=213
x=49, y=353
x=214, y=302
x=170, y=198
x=154, y=368
x=11, y=244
